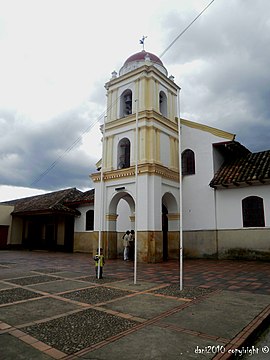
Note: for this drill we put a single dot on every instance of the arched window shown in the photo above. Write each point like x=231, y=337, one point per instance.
x=253, y=212
x=89, y=224
x=123, y=158
x=126, y=103
x=163, y=103
x=188, y=162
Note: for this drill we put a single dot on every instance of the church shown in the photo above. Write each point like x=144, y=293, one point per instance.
x=221, y=200
x=167, y=178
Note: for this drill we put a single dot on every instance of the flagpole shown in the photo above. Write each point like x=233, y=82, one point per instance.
x=180, y=199
x=101, y=215
x=136, y=193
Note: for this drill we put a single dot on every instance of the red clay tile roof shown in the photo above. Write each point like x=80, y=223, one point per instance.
x=50, y=202
x=82, y=198
x=248, y=169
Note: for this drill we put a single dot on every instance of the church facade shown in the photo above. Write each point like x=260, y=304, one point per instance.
x=139, y=178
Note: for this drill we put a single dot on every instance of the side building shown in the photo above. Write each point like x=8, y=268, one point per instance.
x=60, y=221
x=226, y=196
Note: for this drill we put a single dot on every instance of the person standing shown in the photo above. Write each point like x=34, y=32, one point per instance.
x=131, y=243
x=126, y=245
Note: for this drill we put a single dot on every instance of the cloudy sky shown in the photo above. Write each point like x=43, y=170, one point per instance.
x=56, y=56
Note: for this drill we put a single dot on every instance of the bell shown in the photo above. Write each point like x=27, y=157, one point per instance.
x=127, y=98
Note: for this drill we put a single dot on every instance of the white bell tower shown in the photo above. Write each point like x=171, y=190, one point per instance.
x=142, y=100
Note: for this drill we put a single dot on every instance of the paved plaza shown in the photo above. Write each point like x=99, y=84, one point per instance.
x=52, y=307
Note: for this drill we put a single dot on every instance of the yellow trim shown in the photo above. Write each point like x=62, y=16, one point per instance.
x=212, y=130
x=173, y=217
x=111, y=217
x=146, y=115
x=150, y=169
x=143, y=71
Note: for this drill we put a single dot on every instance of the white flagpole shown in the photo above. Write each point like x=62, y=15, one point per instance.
x=180, y=199
x=136, y=193
x=101, y=215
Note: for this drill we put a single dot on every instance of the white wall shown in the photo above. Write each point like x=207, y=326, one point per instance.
x=5, y=217
x=80, y=222
x=229, y=205
x=198, y=197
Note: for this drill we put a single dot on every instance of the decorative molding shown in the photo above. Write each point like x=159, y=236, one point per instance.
x=144, y=115
x=172, y=217
x=150, y=169
x=111, y=217
x=214, y=131
x=143, y=71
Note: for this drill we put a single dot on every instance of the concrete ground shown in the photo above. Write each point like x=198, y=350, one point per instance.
x=52, y=307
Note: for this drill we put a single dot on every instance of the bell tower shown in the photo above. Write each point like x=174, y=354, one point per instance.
x=140, y=135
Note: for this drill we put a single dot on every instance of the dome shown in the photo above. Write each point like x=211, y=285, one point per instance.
x=139, y=59
x=140, y=56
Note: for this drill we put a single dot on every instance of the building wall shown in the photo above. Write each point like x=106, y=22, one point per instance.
x=5, y=217
x=84, y=240
x=251, y=244
x=198, y=197
x=5, y=224
x=16, y=231
x=212, y=219
x=229, y=205
x=80, y=221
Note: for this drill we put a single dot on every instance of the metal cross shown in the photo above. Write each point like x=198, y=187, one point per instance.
x=142, y=41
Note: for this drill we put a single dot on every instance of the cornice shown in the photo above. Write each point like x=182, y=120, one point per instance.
x=144, y=70
x=212, y=130
x=145, y=115
x=150, y=169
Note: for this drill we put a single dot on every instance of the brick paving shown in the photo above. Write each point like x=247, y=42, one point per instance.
x=52, y=307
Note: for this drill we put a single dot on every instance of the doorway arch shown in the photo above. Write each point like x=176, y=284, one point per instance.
x=120, y=217
x=170, y=226
x=165, y=232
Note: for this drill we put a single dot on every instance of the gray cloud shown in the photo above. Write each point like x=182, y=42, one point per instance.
x=230, y=88
x=27, y=151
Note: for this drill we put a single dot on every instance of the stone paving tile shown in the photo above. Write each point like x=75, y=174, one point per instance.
x=6, y=286
x=14, y=349
x=26, y=312
x=248, y=280
x=33, y=280
x=6, y=264
x=74, y=332
x=143, y=305
x=128, y=285
x=6, y=274
x=47, y=270
x=96, y=295
x=154, y=343
x=71, y=274
x=187, y=292
x=230, y=312
x=17, y=294
x=59, y=286
x=93, y=279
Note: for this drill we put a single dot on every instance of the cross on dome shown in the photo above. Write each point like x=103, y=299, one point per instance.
x=142, y=41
